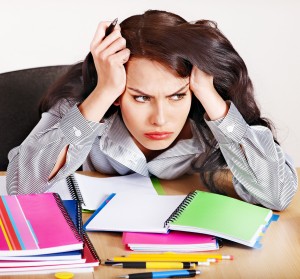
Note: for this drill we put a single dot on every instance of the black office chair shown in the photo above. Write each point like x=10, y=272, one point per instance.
x=20, y=94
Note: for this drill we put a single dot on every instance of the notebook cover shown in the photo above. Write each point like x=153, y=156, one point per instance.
x=75, y=214
x=221, y=216
x=173, y=237
x=88, y=253
x=174, y=241
x=32, y=228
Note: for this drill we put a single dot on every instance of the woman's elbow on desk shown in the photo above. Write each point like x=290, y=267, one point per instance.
x=286, y=190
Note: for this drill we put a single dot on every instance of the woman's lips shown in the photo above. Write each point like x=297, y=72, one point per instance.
x=158, y=135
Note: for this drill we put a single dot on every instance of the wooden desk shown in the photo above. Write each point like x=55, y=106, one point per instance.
x=278, y=258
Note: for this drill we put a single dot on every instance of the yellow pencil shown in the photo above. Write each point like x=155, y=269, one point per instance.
x=172, y=257
x=165, y=259
x=182, y=256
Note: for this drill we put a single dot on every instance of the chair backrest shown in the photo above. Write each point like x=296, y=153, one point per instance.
x=20, y=94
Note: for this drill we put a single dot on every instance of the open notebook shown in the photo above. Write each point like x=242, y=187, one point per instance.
x=92, y=191
x=200, y=212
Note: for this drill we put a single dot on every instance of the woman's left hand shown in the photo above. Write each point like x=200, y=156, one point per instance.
x=202, y=85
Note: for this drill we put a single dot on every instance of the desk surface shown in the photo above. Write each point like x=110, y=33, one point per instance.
x=278, y=258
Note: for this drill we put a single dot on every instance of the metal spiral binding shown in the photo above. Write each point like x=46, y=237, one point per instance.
x=67, y=217
x=177, y=212
x=91, y=247
x=79, y=218
x=74, y=189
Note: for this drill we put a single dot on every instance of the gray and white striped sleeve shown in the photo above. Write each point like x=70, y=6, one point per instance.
x=262, y=173
x=31, y=163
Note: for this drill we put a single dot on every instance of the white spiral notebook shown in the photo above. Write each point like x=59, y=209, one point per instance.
x=92, y=191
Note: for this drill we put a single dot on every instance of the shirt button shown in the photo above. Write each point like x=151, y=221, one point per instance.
x=230, y=128
x=77, y=132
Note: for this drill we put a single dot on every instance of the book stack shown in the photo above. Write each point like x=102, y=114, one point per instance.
x=41, y=234
x=174, y=241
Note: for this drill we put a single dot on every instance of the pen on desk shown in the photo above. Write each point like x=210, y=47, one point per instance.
x=111, y=27
x=168, y=265
x=187, y=273
x=202, y=263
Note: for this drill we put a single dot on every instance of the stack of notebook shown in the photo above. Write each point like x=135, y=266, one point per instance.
x=40, y=233
x=174, y=241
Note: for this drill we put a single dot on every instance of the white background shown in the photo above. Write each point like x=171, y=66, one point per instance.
x=265, y=33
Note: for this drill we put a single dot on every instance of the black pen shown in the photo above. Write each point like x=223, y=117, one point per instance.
x=111, y=27
x=204, y=263
x=187, y=273
x=153, y=265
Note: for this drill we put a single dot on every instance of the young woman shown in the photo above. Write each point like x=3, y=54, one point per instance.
x=158, y=96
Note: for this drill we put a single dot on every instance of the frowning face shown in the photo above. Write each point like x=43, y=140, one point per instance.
x=155, y=104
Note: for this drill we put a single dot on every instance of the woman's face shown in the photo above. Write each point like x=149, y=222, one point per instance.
x=155, y=104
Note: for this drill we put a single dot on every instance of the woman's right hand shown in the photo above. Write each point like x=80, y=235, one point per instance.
x=110, y=54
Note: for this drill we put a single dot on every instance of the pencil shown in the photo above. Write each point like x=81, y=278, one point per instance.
x=178, y=256
x=162, y=259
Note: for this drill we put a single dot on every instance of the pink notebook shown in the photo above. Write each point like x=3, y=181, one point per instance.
x=174, y=241
x=36, y=224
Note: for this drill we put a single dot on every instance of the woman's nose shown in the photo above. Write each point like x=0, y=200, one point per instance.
x=158, y=116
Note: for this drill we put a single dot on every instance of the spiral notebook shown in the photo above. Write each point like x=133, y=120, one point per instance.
x=92, y=191
x=200, y=212
x=35, y=224
x=88, y=257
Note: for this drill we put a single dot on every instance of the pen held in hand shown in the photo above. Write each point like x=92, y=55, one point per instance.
x=187, y=273
x=111, y=27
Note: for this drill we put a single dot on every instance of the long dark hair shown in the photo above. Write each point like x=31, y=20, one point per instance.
x=172, y=41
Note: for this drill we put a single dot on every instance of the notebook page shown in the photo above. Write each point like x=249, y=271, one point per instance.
x=61, y=187
x=134, y=212
x=95, y=190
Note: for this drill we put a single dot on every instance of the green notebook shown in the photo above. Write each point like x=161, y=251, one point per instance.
x=222, y=216
x=200, y=212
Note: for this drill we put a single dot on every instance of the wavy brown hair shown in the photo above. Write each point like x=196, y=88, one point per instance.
x=177, y=44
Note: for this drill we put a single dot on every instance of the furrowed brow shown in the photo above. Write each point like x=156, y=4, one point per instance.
x=146, y=94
